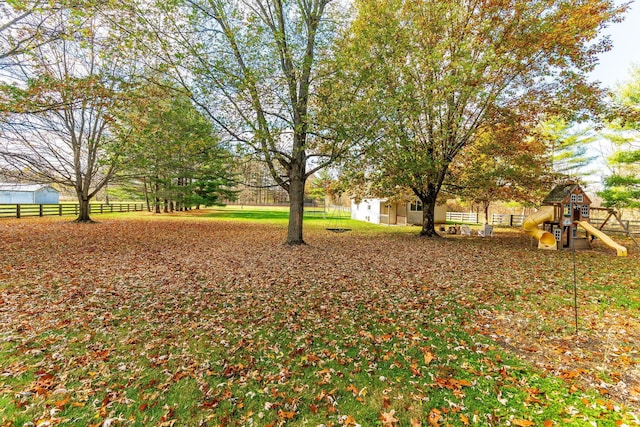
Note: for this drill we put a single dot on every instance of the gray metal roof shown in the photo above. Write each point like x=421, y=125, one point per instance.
x=22, y=187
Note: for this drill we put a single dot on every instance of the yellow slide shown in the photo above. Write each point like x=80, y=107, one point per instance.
x=621, y=250
x=530, y=226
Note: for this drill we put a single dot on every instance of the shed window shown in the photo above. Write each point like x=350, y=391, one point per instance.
x=416, y=206
x=579, y=198
x=574, y=198
x=585, y=210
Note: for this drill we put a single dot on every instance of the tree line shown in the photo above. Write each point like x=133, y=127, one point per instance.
x=475, y=98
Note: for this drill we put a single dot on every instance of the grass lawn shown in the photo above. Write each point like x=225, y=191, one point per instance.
x=206, y=319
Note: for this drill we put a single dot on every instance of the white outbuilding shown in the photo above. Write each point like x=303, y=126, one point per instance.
x=384, y=211
x=40, y=194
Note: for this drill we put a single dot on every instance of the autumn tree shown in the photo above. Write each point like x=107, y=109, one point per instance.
x=503, y=164
x=253, y=66
x=622, y=186
x=450, y=69
x=59, y=127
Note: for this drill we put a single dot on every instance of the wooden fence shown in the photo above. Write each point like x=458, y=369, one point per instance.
x=468, y=217
x=615, y=227
x=507, y=220
x=29, y=210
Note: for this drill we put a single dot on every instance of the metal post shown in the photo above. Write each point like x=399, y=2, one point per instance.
x=575, y=281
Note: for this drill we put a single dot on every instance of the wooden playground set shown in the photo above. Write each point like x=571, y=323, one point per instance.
x=565, y=219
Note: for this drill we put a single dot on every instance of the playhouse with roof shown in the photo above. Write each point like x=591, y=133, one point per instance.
x=563, y=221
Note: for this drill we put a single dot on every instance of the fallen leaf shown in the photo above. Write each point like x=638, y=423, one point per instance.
x=61, y=403
x=389, y=419
x=428, y=357
x=434, y=417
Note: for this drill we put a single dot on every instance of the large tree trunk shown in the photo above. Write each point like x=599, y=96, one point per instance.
x=296, y=211
x=486, y=204
x=429, y=199
x=85, y=209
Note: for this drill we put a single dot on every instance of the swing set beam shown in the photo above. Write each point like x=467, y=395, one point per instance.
x=616, y=215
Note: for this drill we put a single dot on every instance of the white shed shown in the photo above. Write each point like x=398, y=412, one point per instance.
x=367, y=210
x=28, y=194
x=382, y=211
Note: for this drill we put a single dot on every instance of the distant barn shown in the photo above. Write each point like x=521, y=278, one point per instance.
x=28, y=194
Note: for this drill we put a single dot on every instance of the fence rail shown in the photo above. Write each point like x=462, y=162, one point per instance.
x=507, y=220
x=470, y=217
x=614, y=226
x=30, y=210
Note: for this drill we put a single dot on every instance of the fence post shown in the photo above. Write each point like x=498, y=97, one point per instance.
x=60, y=210
x=17, y=211
x=510, y=220
x=101, y=208
x=40, y=209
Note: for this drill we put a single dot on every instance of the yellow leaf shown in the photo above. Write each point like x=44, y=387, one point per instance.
x=428, y=357
x=350, y=421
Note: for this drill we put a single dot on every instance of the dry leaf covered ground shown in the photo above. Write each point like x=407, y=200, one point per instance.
x=198, y=320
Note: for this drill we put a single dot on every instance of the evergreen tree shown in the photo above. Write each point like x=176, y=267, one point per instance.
x=622, y=187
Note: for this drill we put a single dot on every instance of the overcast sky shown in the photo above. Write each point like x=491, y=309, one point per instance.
x=614, y=65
